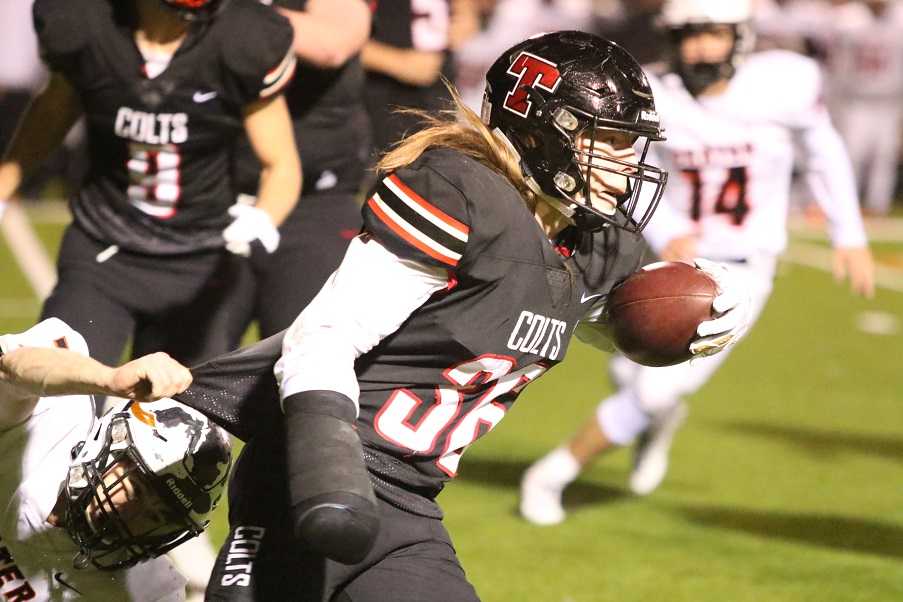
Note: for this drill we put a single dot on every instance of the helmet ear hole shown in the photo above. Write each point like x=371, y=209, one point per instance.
x=76, y=449
x=529, y=141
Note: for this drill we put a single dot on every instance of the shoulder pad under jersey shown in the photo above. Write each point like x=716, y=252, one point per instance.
x=256, y=43
x=63, y=29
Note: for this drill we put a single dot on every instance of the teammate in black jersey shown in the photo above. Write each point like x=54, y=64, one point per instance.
x=407, y=54
x=330, y=124
x=166, y=86
x=485, y=244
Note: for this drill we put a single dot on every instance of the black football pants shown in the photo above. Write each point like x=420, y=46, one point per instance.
x=183, y=305
x=413, y=559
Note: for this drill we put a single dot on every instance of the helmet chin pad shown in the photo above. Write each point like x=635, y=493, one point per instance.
x=699, y=76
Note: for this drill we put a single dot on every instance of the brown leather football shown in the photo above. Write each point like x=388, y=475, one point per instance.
x=654, y=313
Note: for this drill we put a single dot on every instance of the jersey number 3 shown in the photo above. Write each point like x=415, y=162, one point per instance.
x=731, y=200
x=483, y=379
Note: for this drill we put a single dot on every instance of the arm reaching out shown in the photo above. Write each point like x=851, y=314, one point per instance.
x=29, y=373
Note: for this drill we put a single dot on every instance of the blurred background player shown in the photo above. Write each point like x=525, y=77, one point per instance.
x=506, y=22
x=404, y=59
x=326, y=102
x=85, y=500
x=731, y=120
x=860, y=44
x=167, y=86
x=865, y=93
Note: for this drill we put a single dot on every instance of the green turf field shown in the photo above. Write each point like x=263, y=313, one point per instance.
x=786, y=484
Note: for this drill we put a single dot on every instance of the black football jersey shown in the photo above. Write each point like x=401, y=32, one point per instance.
x=416, y=24
x=330, y=124
x=454, y=368
x=160, y=147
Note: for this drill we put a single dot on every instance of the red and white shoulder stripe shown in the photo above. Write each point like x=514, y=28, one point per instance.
x=419, y=222
x=280, y=75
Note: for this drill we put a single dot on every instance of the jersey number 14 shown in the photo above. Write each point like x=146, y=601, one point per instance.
x=730, y=201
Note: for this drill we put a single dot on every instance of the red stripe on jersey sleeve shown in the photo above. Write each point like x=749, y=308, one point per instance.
x=401, y=232
x=463, y=228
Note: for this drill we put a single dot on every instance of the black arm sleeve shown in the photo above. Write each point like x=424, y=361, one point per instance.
x=238, y=390
x=334, y=510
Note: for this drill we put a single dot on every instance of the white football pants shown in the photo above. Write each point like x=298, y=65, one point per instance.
x=871, y=130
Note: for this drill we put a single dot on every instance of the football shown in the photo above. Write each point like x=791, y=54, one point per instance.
x=654, y=313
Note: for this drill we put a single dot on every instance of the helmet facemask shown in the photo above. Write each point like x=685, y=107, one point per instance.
x=105, y=495
x=143, y=484
x=576, y=158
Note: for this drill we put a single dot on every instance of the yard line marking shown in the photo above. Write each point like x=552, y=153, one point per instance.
x=878, y=229
x=27, y=250
x=820, y=258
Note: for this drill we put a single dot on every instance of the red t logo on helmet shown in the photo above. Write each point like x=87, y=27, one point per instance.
x=531, y=71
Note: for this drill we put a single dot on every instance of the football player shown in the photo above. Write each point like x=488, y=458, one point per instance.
x=90, y=505
x=166, y=86
x=863, y=41
x=484, y=242
x=404, y=60
x=730, y=154
x=330, y=123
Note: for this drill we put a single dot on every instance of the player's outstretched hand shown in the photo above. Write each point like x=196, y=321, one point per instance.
x=250, y=224
x=732, y=308
x=856, y=264
x=149, y=378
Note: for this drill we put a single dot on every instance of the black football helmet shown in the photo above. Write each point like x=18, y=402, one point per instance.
x=547, y=93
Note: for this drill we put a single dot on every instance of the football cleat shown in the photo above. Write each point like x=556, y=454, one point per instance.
x=543, y=484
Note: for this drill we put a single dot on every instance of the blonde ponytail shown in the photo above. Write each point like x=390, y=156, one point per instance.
x=460, y=129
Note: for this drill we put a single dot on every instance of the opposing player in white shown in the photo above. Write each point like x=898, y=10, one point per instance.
x=864, y=81
x=731, y=119
x=89, y=505
x=865, y=73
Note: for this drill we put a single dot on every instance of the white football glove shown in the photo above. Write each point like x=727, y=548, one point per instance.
x=733, y=306
x=2, y=208
x=250, y=224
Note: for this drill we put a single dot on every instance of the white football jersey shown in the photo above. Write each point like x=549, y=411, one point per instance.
x=730, y=159
x=36, y=557
x=866, y=53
